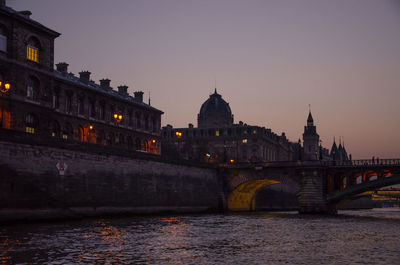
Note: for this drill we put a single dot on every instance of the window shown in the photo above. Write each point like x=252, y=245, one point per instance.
x=68, y=103
x=30, y=123
x=244, y=141
x=32, y=50
x=81, y=106
x=154, y=121
x=3, y=40
x=92, y=109
x=102, y=110
x=32, y=88
x=56, y=100
x=216, y=133
x=138, y=121
x=146, y=122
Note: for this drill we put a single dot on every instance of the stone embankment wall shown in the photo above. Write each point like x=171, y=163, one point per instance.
x=97, y=181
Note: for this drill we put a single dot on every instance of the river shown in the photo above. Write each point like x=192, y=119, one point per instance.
x=352, y=237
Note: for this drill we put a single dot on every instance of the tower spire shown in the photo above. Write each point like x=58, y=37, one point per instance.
x=149, y=99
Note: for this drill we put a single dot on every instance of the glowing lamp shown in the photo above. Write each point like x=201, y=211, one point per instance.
x=232, y=160
x=4, y=87
x=90, y=127
x=208, y=155
x=178, y=134
x=154, y=141
x=117, y=117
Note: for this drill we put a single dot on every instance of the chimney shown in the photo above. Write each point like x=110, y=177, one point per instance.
x=2, y=3
x=84, y=76
x=62, y=67
x=139, y=96
x=105, y=83
x=123, y=90
x=25, y=13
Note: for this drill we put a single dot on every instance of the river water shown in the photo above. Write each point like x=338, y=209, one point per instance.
x=352, y=237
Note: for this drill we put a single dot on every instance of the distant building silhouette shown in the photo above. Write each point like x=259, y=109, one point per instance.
x=218, y=139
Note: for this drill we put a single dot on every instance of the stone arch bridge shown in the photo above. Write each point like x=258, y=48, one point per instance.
x=319, y=185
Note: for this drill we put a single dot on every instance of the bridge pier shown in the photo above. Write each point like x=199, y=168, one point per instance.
x=313, y=192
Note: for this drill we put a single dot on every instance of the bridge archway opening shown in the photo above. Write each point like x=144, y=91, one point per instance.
x=242, y=197
x=383, y=180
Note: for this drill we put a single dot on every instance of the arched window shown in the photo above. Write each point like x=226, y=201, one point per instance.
x=32, y=49
x=54, y=129
x=81, y=134
x=67, y=131
x=32, y=90
x=3, y=39
x=30, y=123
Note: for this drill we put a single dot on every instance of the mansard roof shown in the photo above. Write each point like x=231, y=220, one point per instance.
x=108, y=92
x=26, y=19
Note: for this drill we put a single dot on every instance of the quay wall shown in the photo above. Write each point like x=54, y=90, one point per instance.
x=97, y=181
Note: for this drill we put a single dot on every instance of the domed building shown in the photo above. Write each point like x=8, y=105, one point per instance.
x=215, y=112
x=217, y=139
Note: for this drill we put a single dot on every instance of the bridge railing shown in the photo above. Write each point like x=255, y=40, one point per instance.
x=330, y=163
x=363, y=162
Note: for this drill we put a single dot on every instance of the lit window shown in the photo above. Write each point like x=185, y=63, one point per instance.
x=30, y=129
x=217, y=133
x=65, y=136
x=32, y=49
x=32, y=53
x=255, y=132
x=244, y=141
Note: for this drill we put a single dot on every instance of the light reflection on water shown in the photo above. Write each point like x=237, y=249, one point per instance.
x=257, y=238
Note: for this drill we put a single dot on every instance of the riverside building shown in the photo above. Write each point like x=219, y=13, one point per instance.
x=36, y=98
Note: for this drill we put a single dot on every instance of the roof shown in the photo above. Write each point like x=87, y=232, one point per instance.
x=215, y=104
x=28, y=20
x=310, y=118
x=110, y=92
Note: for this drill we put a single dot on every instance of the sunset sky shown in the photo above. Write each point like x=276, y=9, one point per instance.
x=270, y=60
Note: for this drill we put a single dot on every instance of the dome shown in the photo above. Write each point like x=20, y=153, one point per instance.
x=215, y=112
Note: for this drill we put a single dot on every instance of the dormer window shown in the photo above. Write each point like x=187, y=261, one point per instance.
x=32, y=50
x=3, y=40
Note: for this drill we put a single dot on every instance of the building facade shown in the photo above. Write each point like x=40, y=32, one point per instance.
x=218, y=139
x=38, y=99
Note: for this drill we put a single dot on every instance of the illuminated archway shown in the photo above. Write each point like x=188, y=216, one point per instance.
x=241, y=199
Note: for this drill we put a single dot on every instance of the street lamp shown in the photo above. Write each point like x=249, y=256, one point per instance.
x=4, y=87
x=117, y=117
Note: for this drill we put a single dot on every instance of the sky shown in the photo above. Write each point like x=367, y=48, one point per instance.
x=268, y=59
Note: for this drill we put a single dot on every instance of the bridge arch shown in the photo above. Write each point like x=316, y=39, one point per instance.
x=386, y=179
x=242, y=197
